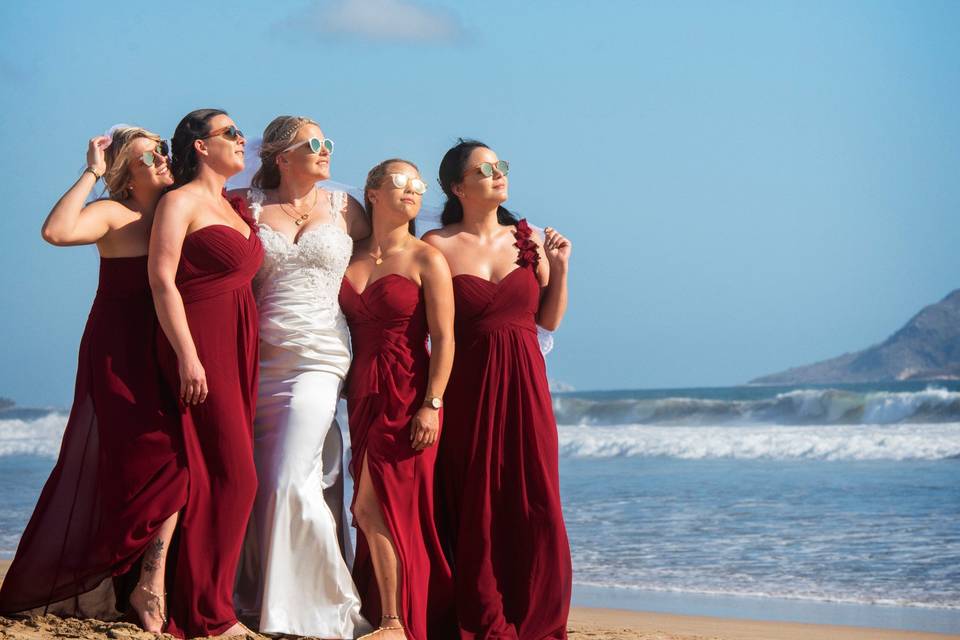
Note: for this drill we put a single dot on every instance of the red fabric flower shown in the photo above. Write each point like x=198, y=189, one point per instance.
x=527, y=254
x=239, y=204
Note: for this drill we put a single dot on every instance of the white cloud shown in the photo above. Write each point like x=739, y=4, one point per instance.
x=383, y=20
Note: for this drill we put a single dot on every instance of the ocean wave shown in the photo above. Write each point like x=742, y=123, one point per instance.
x=799, y=407
x=919, y=600
x=38, y=436
x=826, y=442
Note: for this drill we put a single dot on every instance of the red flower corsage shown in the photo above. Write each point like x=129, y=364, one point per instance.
x=239, y=204
x=527, y=254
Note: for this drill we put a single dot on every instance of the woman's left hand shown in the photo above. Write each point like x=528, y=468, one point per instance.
x=556, y=247
x=424, y=428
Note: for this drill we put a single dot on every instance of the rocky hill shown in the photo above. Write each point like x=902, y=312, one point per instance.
x=926, y=348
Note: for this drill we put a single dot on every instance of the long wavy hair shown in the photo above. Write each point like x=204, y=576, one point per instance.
x=194, y=126
x=375, y=179
x=452, y=168
x=117, y=175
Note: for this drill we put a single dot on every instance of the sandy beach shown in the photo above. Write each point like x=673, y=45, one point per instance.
x=585, y=624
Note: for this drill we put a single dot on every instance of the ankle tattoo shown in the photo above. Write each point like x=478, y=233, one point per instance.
x=153, y=556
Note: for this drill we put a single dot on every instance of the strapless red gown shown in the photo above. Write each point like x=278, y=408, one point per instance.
x=217, y=265
x=385, y=388
x=120, y=472
x=498, y=465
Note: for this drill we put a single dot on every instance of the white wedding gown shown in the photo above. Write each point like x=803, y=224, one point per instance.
x=294, y=572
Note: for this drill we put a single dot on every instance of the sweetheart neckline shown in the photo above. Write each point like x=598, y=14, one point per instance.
x=220, y=224
x=370, y=284
x=302, y=234
x=491, y=282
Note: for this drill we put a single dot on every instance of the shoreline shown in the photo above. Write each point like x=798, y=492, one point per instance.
x=769, y=609
x=586, y=623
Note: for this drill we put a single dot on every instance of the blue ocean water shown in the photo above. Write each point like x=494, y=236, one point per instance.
x=822, y=504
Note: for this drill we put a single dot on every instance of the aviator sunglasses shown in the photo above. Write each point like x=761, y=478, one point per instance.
x=316, y=144
x=149, y=158
x=400, y=181
x=230, y=133
x=486, y=168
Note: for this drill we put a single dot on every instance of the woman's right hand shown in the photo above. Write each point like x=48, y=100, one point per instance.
x=193, y=381
x=96, y=158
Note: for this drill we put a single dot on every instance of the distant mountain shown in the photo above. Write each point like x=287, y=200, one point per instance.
x=926, y=348
x=6, y=403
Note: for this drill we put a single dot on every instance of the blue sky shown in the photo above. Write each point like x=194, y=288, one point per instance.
x=748, y=185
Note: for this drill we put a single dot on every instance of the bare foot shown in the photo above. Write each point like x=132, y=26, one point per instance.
x=386, y=633
x=238, y=630
x=150, y=607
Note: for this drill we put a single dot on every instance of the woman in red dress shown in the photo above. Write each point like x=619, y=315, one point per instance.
x=203, y=256
x=396, y=292
x=498, y=465
x=113, y=497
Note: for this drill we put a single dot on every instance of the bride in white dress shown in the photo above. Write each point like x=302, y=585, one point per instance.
x=294, y=574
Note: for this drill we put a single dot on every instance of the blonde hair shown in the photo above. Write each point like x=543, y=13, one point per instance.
x=117, y=177
x=278, y=135
x=375, y=179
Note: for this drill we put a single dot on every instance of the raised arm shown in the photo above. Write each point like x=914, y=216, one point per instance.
x=554, y=260
x=438, y=294
x=170, y=223
x=69, y=222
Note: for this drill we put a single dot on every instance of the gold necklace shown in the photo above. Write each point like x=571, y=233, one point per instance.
x=300, y=218
x=379, y=259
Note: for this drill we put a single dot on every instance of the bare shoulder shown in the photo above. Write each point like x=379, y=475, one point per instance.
x=430, y=260
x=105, y=207
x=108, y=212
x=177, y=203
x=442, y=236
x=427, y=254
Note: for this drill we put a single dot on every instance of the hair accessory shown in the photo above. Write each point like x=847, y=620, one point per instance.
x=292, y=128
x=112, y=130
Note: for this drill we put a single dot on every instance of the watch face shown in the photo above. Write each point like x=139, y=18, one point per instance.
x=435, y=403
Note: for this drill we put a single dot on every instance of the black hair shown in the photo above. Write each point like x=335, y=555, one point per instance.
x=452, y=168
x=194, y=126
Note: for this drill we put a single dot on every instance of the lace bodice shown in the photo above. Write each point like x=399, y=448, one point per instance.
x=322, y=251
x=297, y=286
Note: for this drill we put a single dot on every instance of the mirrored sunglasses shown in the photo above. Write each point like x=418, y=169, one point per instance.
x=400, y=181
x=149, y=158
x=316, y=144
x=501, y=166
x=230, y=133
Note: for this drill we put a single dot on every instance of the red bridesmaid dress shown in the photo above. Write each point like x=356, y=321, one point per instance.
x=217, y=265
x=498, y=465
x=120, y=473
x=385, y=388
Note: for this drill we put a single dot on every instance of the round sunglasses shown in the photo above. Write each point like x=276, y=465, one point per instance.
x=401, y=180
x=149, y=158
x=316, y=144
x=486, y=168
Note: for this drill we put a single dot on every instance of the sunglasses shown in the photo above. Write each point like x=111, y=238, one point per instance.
x=486, y=169
x=401, y=180
x=230, y=133
x=149, y=158
x=316, y=144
